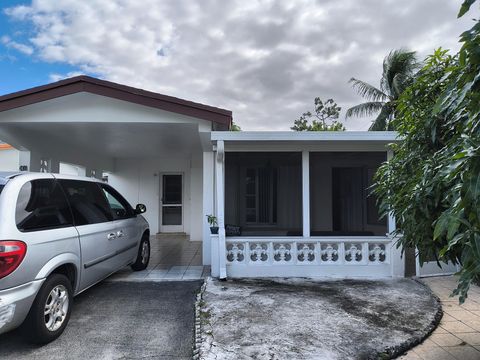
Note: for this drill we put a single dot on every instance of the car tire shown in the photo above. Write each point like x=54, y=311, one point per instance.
x=143, y=255
x=50, y=311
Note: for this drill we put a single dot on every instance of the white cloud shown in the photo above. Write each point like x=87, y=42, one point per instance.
x=8, y=42
x=57, y=77
x=264, y=60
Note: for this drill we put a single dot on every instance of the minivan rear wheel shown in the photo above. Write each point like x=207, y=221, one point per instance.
x=50, y=311
x=143, y=255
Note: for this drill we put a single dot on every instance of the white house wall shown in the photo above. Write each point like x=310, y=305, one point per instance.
x=139, y=181
x=86, y=107
x=9, y=159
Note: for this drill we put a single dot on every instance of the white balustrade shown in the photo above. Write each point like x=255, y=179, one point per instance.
x=343, y=257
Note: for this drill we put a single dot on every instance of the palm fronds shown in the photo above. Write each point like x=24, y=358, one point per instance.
x=368, y=91
x=383, y=120
x=365, y=109
x=399, y=70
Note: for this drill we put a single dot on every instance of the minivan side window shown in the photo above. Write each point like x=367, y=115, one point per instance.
x=88, y=203
x=121, y=209
x=41, y=205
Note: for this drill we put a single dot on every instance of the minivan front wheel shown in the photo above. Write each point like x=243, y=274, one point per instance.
x=50, y=311
x=143, y=255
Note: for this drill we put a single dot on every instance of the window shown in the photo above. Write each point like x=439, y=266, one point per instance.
x=1, y=188
x=121, y=209
x=263, y=193
x=88, y=202
x=341, y=199
x=42, y=205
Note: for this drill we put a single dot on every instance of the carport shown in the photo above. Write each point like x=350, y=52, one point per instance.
x=154, y=149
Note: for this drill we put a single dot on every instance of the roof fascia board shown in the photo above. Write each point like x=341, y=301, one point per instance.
x=267, y=136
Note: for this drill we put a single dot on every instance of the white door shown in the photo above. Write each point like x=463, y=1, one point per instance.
x=171, y=203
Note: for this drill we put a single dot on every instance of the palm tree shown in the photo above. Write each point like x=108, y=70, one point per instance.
x=399, y=69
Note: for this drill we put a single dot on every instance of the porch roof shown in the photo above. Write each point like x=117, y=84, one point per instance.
x=117, y=91
x=382, y=136
x=291, y=140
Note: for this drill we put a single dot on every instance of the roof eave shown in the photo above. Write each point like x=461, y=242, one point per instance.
x=117, y=91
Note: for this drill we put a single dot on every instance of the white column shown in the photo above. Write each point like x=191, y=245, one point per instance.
x=397, y=260
x=306, y=193
x=208, y=207
x=220, y=197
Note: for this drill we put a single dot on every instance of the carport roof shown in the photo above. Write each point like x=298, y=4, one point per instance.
x=117, y=91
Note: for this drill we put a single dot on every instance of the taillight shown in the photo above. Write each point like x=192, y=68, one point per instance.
x=12, y=253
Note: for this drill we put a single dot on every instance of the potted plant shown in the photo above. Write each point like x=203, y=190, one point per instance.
x=212, y=220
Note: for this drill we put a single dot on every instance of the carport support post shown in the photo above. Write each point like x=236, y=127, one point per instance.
x=220, y=197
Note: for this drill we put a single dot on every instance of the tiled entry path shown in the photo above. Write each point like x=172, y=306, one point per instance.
x=172, y=257
x=458, y=335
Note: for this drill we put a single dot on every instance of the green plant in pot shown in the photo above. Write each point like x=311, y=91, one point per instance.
x=212, y=220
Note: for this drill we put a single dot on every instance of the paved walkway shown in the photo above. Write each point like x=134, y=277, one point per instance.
x=172, y=257
x=458, y=336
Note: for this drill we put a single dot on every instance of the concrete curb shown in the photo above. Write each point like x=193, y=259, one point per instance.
x=198, y=337
x=396, y=351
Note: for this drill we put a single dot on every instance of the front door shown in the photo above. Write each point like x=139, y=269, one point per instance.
x=171, y=203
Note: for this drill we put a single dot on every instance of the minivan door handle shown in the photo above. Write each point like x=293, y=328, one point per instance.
x=111, y=236
x=120, y=233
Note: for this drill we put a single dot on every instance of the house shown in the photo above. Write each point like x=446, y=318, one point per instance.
x=288, y=204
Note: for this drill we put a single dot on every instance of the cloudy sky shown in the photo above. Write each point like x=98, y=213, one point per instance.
x=264, y=60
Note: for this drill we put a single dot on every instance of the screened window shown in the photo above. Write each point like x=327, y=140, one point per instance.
x=88, y=202
x=263, y=193
x=260, y=195
x=42, y=205
x=341, y=199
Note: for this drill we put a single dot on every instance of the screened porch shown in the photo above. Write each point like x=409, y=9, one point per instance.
x=301, y=209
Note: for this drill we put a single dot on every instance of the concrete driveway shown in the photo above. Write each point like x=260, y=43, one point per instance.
x=121, y=320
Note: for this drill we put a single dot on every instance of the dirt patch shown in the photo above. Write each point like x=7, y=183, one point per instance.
x=305, y=319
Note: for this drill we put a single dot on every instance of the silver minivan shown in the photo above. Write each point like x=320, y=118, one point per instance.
x=59, y=235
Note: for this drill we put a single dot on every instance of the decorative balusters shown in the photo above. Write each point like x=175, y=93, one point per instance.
x=329, y=252
x=353, y=252
x=305, y=253
x=282, y=252
x=258, y=252
x=235, y=252
x=376, y=253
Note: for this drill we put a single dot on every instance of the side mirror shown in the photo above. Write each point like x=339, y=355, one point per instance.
x=140, y=209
